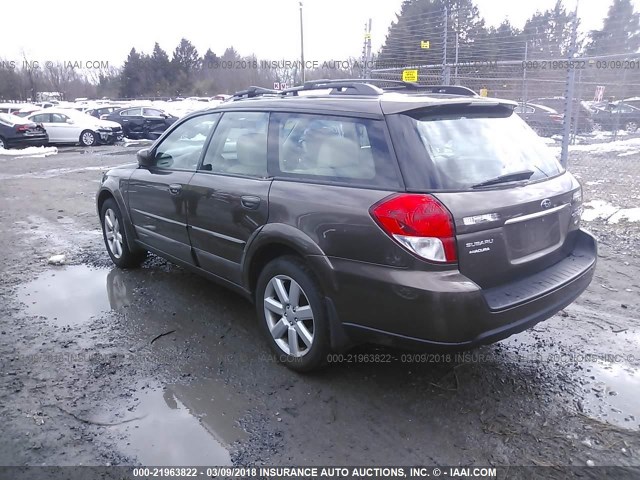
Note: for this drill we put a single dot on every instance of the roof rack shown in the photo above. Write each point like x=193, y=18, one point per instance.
x=351, y=86
x=253, y=92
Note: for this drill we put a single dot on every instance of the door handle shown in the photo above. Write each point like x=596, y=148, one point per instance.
x=175, y=189
x=250, y=202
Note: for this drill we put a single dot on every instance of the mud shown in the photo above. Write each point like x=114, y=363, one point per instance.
x=100, y=366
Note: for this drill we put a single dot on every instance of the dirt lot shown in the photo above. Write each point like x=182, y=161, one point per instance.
x=157, y=366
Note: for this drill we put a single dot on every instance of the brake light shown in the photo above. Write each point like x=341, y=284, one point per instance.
x=556, y=117
x=576, y=206
x=420, y=223
x=22, y=128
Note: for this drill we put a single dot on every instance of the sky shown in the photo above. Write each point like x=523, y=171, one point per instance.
x=333, y=29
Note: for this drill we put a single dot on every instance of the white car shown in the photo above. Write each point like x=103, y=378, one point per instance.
x=71, y=126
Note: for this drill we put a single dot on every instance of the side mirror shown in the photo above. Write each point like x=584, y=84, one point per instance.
x=70, y=121
x=145, y=158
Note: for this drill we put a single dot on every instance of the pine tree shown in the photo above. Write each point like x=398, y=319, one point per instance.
x=620, y=32
x=131, y=78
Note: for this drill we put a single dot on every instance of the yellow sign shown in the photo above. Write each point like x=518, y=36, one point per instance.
x=424, y=44
x=410, y=75
x=484, y=92
x=367, y=36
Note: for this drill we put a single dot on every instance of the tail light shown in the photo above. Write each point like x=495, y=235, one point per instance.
x=23, y=128
x=420, y=223
x=557, y=117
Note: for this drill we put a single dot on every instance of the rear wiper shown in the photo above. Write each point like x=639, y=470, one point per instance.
x=507, y=177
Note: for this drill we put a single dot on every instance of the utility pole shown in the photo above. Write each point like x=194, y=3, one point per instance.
x=568, y=96
x=456, y=73
x=445, y=76
x=302, y=44
x=525, y=92
x=368, y=49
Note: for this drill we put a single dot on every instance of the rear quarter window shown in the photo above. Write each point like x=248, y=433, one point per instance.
x=333, y=149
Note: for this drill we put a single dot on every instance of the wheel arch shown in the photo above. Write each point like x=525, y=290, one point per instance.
x=103, y=195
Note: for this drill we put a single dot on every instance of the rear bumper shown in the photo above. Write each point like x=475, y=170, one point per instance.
x=447, y=310
x=23, y=142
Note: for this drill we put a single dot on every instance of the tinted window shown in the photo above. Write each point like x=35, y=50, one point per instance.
x=239, y=145
x=461, y=149
x=332, y=148
x=152, y=112
x=181, y=149
x=132, y=112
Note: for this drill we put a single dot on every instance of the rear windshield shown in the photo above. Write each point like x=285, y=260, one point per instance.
x=461, y=149
x=11, y=120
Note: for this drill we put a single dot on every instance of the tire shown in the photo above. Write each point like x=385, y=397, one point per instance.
x=3, y=143
x=631, y=126
x=300, y=341
x=88, y=138
x=115, y=237
x=597, y=127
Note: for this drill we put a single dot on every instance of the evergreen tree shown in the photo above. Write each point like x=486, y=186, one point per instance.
x=132, y=79
x=620, y=32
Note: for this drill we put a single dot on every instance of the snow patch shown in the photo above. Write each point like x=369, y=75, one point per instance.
x=29, y=152
x=598, y=209
x=632, y=145
x=628, y=214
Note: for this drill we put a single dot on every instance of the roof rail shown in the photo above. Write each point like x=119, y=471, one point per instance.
x=253, y=92
x=349, y=86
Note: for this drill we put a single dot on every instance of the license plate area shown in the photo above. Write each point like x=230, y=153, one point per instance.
x=526, y=237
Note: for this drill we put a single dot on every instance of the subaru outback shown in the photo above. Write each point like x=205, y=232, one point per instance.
x=420, y=217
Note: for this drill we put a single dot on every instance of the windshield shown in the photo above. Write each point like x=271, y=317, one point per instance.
x=467, y=149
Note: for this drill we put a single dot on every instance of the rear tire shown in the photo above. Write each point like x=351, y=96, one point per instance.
x=115, y=237
x=631, y=126
x=88, y=138
x=3, y=143
x=292, y=314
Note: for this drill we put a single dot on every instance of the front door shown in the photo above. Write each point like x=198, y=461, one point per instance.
x=231, y=190
x=158, y=198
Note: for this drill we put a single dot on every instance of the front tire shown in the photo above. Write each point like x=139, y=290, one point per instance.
x=115, y=237
x=631, y=126
x=292, y=314
x=88, y=138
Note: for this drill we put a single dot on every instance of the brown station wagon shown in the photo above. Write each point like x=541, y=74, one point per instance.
x=423, y=217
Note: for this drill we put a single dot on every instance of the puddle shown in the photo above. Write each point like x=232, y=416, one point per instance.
x=613, y=394
x=73, y=295
x=185, y=425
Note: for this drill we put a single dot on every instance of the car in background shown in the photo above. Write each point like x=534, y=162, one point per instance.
x=12, y=108
x=545, y=121
x=616, y=116
x=578, y=111
x=71, y=126
x=19, y=132
x=23, y=112
x=103, y=111
x=142, y=122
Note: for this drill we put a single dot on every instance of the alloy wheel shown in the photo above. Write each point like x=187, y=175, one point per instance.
x=631, y=126
x=112, y=233
x=88, y=138
x=289, y=316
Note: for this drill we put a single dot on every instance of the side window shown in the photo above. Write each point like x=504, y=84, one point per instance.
x=342, y=149
x=132, y=112
x=152, y=112
x=58, y=118
x=239, y=145
x=181, y=149
x=41, y=118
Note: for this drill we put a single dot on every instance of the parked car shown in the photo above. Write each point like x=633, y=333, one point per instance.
x=103, y=112
x=142, y=122
x=616, y=116
x=12, y=108
x=25, y=111
x=71, y=126
x=545, y=121
x=18, y=132
x=578, y=110
x=427, y=221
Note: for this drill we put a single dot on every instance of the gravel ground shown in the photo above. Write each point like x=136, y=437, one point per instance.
x=100, y=366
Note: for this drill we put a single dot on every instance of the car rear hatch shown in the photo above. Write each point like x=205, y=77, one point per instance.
x=514, y=208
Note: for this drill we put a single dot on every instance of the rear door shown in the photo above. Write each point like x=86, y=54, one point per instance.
x=230, y=193
x=155, y=121
x=157, y=196
x=504, y=228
